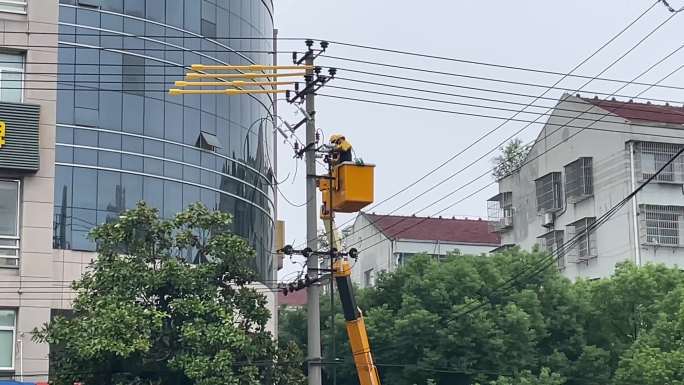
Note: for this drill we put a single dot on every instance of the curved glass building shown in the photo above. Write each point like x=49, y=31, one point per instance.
x=121, y=138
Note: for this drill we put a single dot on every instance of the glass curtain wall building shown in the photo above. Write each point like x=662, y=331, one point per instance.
x=121, y=138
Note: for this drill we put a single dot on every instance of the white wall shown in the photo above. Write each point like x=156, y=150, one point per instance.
x=375, y=250
x=609, y=150
x=379, y=253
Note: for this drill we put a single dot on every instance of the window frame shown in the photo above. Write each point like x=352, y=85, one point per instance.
x=585, y=245
x=646, y=210
x=556, y=182
x=13, y=329
x=651, y=156
x=17, y=3
x=4, y=68
x=551, y=242
x=582, y=169
x=17, y=236
x=368, y=278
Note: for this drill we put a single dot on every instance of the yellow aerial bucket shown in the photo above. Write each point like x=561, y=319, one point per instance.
x=352, y=187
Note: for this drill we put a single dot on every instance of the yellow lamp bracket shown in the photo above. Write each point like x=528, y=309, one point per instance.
x=255, y=75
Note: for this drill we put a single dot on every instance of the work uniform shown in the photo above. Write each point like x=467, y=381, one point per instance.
x=343, y=151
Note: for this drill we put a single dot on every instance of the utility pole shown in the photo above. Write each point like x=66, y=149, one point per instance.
x=312, y=296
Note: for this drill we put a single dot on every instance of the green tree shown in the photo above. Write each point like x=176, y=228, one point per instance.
x=545, y=377
x=144, y=315
x=624, y=330
x=512, y=156
x=657, y=357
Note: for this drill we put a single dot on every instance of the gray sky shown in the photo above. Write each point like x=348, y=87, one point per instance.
x=405, y=144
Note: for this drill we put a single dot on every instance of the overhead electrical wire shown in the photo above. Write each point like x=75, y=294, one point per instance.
x=620, y=33
x=545, y=263
x=635, y=107
x=565, y=125
x=581, y=128
x=460, y=75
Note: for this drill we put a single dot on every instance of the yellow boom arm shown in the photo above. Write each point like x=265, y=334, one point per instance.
x=356, y=328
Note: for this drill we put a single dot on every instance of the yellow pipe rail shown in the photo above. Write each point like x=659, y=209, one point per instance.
x=252, y=67
x=237, y=83
x=230, y=91
x=192, y=75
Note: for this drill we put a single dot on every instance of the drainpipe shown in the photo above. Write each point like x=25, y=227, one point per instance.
x=390, y=258
x=635, y=213
x=21, y=358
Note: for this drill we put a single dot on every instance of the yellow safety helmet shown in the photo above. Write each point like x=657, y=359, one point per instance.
x=334, y=138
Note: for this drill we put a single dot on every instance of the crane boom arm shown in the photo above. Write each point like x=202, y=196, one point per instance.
x=356, y=328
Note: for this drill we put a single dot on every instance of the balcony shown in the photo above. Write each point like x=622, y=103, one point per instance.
x=500, y=212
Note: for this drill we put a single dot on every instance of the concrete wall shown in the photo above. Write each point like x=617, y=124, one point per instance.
x=375, y=250
x=611, y=168
x=19, y=33
x=381, y=254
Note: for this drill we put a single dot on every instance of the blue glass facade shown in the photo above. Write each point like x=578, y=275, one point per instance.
x=121, y=138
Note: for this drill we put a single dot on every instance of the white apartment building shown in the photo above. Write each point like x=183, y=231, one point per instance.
x=388, y=241
x=590, y=155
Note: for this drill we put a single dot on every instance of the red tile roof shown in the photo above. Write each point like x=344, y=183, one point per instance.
x=475, y=231
x=296, y=298
x=644, y=112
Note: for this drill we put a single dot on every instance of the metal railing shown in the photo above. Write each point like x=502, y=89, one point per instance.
x=660, y=225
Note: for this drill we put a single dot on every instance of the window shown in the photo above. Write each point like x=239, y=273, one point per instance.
x=500, y=211
x=11, y=76
x=9, y=223
x=89, y=3
x=651, y=157
x=368, y=278
x=579, y=180
x=660, y=224
x=13, y=6
x=208, y=141
x=549, y=192
x=552, y=243
x=134, y=75
x=8, y=332
x=583, y=239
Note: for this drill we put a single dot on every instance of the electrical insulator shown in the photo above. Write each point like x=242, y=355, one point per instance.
x=300, y=284
x=284, y=291
x=291, y=288
x=296, y=146
x=318, y=137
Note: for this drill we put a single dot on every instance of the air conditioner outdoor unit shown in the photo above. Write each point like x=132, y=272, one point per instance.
x=548, y=219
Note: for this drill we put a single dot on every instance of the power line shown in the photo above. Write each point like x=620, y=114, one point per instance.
x=633, y=107
x=425, y=81
x=488, y=78
x=575, y=68
x=670, y=8
x=570, y=243
x=581, y=129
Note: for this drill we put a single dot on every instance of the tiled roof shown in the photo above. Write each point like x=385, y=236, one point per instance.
x=645, y=112
x=296, y=298
x=476, y=231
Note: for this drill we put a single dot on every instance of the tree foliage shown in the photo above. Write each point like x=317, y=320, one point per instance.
x=622, y=330
x=512, y=156
x=144, y=315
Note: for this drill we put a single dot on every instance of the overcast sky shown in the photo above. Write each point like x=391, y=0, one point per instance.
x=405, y=144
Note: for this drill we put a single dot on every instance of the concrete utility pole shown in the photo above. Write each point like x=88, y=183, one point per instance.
x=313, y=300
